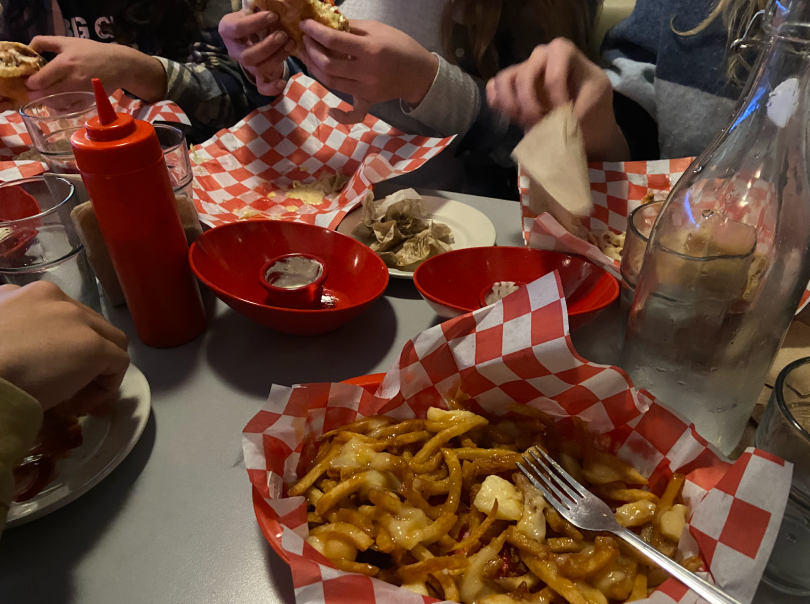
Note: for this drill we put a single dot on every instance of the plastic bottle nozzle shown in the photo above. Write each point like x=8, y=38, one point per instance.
x=106, y=113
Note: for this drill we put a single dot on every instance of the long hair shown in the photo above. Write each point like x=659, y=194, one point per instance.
x=171, y=24
x=735, y=15
x=493, y=33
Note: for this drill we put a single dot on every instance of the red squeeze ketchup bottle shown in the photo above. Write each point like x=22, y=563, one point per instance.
x=122, y=166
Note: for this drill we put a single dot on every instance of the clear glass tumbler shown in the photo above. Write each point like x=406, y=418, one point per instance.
x=175, y=151
x=52, y=121
x=785, y=431
x=45, y=246
x=639, y=224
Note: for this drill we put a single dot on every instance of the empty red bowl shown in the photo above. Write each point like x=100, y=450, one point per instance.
x=227, y=259
x=452, y=282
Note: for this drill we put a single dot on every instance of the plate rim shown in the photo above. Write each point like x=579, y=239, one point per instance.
x=395, y=273
x=143, y=410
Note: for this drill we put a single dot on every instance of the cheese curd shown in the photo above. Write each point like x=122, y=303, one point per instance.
x=673, y=521
x=354, y=454
x=510, y=504
x=533, y=521
x=333, y=546
x=435, y=414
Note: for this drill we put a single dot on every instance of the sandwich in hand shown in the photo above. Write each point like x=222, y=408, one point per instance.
x=17, y=63
x=292, y=12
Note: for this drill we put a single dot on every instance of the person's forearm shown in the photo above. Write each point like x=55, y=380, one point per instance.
x=613, y=147
x=146, y=77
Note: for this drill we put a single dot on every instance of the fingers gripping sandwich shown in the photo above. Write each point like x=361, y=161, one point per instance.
x=292, y=12
x=17, y=62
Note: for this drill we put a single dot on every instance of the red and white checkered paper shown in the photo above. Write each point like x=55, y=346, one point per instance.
x=14, y=138
x=246, y=169
x=617, y=190
x=519, y=350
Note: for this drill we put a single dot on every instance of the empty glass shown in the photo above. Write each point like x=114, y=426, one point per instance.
x=175, y=151
x=785, y=431
x=44, y=245
x=52, y=121
x=639, y=224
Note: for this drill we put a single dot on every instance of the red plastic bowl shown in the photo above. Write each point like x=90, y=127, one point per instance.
x=227, y=259
x=452, y=282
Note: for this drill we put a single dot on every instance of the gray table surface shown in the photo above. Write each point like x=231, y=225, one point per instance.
x=174, y=522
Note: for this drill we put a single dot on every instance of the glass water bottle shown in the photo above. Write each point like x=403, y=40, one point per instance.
x=727, y=260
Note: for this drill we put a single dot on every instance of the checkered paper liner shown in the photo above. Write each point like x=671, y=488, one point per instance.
x=14, y=138
x=617, y=190
x=519, y=350
x=243, y=172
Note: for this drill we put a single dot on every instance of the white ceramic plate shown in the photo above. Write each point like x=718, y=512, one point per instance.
x=470, y=227
x=106, y=442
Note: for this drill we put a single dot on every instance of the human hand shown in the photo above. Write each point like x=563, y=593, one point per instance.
x=57, y=349
x=79, y=60
x=557, y=74
x=258, y=44
x=373, y=62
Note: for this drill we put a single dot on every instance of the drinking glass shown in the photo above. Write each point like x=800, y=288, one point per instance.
x=785, y=431
x=175, y=151
x=52, y=121
x=639, y=224
x=44, y=246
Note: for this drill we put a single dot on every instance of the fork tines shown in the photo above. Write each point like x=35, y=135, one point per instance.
x=549, y=477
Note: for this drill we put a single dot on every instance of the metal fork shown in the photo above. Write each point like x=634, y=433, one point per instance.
x=585, y=510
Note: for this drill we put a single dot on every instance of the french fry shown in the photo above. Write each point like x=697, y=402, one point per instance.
x=639, y=588
x=344, y=489
x=563, y=545
x=475, y=453
x=635, y=514
x=358, y=538
x=466, y=546
x=412, y=572
x=300, y=487
x=692, y=564
x=362, y=426
x=624, y=494
x=435, y=443
x=589, y=561
x=355, y=518
x=454, y=492
x=385, y=500
x=571, y=465
x=532, y=412
x=384, y=541
x=356, y=567
x=415, y=498
x=561, y=525
x=671, y=492
x=592, y=594
x=617, y=579
x=527, y=544
x=431, y=464
x=409, y=425
x=548, y=572
x=439, y=528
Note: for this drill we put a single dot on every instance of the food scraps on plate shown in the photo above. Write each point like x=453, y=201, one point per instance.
x=400, y=232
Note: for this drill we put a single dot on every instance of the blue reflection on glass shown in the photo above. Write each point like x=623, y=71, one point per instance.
x=687, y=206
x=750, y=108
